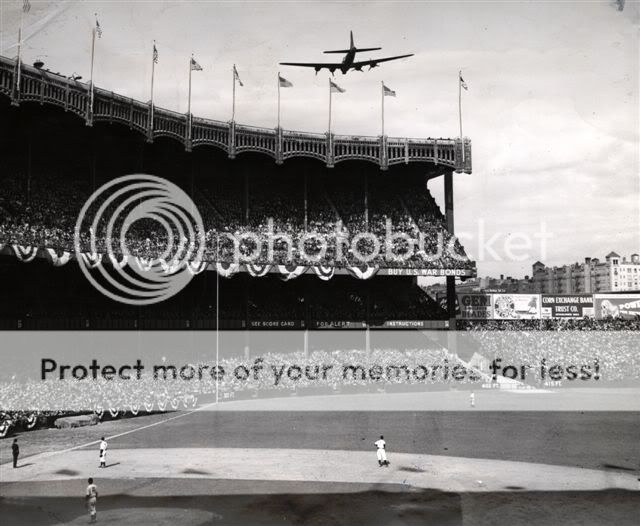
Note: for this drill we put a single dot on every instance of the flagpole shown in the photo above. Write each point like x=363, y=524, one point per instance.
x=233, y=104
x=153, y=64
x=460, y=100
x=460, y=107
x=190, y=68
x=93, y=49
x=382, y=94
x=278, y=99
x=18, y=76
x=329, y=107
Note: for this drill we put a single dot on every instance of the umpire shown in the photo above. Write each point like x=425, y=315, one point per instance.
x=15, y=450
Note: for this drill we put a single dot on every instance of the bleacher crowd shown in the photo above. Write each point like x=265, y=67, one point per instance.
x=46, y=214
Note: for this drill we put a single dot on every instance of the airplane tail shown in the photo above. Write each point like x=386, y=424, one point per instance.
x=353, y=47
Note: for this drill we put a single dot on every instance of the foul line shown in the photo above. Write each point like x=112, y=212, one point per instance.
x=182, y=415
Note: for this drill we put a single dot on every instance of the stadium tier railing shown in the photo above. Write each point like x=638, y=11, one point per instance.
x=44, y=86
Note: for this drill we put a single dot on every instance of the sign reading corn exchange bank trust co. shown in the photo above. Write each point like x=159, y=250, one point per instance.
x=567, y=306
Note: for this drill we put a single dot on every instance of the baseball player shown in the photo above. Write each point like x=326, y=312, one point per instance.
x=103, y=453
x=472, y=399
x=91, y=497
x=381, y=451
x=15, y=451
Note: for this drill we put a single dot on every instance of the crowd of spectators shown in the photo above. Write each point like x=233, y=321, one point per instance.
x=608, y=347
x=44, y=213
x=31, y=401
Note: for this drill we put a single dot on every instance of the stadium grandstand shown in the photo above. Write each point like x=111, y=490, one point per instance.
x=59, y=148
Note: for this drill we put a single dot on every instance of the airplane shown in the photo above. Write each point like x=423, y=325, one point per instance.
x=348, y=62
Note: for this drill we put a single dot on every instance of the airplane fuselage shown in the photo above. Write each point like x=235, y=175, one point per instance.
x=348, y=60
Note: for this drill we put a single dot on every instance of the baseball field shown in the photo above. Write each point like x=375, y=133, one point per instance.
x=513, y=459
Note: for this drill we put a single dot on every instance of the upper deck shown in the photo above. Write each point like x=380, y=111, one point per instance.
x=45, y=87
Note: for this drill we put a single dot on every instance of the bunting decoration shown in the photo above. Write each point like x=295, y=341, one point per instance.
x=31, y=421
x=324, y=273
x=119, y=264
x=25, y=254
x=56, y=260
x=258, y=271
x=365, y=272
x=226, y=270
x=189, y=401
x=144, y=264
x=291, y=271
x=5, y=428
x=170, y=268
x=196, y=267
x=91, y=260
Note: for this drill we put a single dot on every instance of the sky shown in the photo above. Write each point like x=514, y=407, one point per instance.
x=552, y=107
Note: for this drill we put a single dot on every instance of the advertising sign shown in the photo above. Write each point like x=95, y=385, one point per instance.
x=624, y=306
x=516, y=306
x=276, y=324
x=475, y=306
x=575, y=306
x=338, y=324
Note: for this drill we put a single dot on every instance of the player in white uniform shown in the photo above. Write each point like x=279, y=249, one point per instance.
x=92, y=497
x=382, y=454
x=472, y=399
x=103, y=453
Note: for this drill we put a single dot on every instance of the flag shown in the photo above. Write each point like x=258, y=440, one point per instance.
x=195, y=66
x=26, y=6
x=335, y=88
x=284, y=83
x=463, y=83
x=388, y=92
x=236, y=76
x=155, y=54
x=98, y=29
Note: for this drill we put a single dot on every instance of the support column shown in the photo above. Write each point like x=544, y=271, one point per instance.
x=93, y=162
x=306, y=193
x=29, y=162
x=279, y=141
x=246, y=196
x=366, y=199
x=232, y=140
x=330, y=155
x=451, y=280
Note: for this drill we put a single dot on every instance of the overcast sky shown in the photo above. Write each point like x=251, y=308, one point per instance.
x=552, y=106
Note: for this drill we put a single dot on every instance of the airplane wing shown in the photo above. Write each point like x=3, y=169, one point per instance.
x=316, y=65
x=374, y=62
